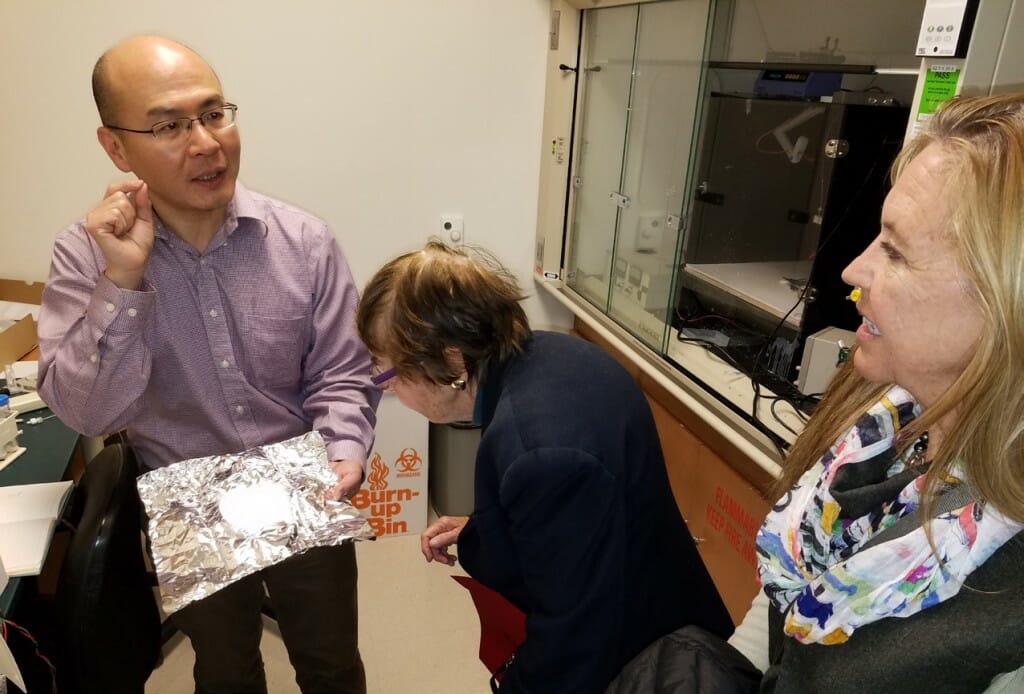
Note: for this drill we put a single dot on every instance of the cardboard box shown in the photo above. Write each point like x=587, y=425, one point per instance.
x=19, y=339
x=394, y=495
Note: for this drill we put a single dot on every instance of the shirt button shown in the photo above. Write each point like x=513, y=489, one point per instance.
x=213, y=313
x=239, y=409
x=133, y=312
x=110, y=307
x=224, y=363
x=94, y=358
x=202, y=261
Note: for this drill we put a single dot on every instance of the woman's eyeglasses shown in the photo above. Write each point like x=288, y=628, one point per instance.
x=380, y=378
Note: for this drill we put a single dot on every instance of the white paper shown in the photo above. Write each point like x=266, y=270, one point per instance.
x=28, y=514
x=26, y=369
x=23, y=545
x=15, y=311
x=9, y=668
x=27, y=501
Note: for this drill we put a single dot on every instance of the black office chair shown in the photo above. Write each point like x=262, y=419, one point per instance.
x=109, y=625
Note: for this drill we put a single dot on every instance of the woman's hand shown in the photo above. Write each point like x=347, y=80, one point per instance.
x=442, y=533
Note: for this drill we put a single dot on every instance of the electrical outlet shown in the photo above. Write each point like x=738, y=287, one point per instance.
x=452, y=231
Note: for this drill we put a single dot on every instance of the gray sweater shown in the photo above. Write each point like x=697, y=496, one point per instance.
x=957, y=646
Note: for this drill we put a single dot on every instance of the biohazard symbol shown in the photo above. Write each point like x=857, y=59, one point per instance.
x=378, y=477
x=408, y=460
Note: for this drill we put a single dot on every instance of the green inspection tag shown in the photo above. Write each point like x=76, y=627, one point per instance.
x=939, y=85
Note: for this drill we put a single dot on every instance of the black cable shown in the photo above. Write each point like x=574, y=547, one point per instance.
x=824, y=242
x=715, y=349
x=778, y=419
x=771, y=338
x=572, y=142
x=5, y=634
x=811, y=399
x=777, y=441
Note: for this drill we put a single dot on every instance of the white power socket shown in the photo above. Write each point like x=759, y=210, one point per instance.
x=452, y=232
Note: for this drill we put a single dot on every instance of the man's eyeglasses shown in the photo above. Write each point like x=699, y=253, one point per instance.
x=380, y=378
x=177, y=129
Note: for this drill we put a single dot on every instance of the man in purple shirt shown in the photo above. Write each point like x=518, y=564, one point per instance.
x=207, y=319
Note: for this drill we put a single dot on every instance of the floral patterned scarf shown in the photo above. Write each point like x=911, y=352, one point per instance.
x=813, y=560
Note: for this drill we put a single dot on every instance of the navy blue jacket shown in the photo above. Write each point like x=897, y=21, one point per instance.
x=574, y=520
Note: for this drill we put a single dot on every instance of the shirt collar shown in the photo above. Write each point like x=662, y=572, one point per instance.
x=242, y=212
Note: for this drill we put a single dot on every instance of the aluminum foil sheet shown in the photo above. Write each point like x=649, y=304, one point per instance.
x=217, y=519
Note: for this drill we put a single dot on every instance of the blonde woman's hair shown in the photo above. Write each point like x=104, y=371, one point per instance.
x=983, y=141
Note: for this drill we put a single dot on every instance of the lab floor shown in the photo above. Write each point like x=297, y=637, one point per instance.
x=418, y=631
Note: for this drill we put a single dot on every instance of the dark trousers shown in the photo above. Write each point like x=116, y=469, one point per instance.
x=314, y=601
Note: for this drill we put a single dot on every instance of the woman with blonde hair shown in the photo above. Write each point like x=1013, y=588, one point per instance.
x=894, y=558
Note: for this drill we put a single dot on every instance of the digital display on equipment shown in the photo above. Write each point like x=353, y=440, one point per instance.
x=800, y=84
x=784, y=76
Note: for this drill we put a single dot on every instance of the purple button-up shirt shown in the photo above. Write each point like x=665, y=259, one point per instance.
x=251, y=342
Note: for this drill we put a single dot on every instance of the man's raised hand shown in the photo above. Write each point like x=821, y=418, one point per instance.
x=122, y=226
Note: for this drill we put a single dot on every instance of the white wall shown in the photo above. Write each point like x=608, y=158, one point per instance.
x=882, y=33
x=378, y=116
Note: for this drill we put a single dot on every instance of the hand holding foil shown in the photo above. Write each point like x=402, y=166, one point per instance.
x=349, y=475
x=217, y=519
